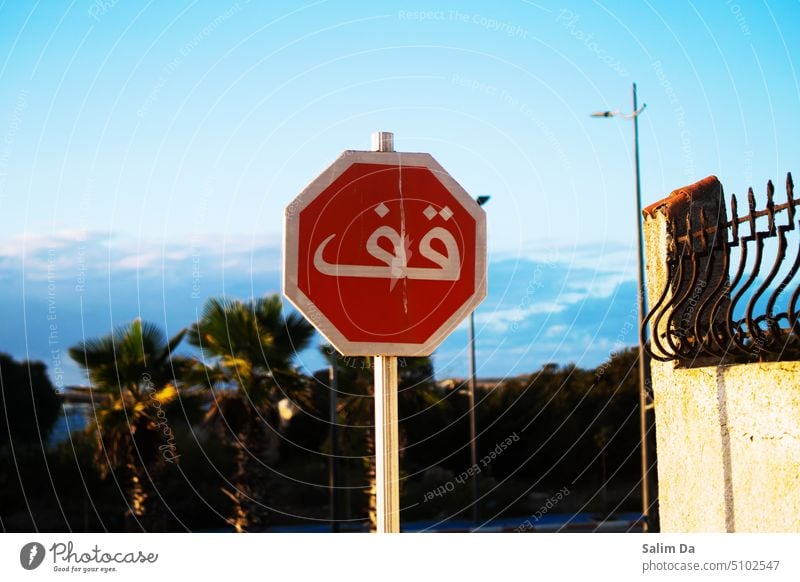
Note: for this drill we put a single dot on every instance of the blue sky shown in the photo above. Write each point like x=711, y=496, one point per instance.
x=149, y=133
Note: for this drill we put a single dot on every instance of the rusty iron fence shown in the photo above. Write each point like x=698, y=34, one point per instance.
x=716, y=308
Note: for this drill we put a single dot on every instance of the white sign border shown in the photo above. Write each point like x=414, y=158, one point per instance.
x=291, y=245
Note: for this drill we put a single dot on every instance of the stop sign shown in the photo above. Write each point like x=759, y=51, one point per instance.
x=385, y=253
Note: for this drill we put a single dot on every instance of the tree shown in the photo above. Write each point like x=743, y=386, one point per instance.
x=251, y=347
x=133, y=374
x=29, y=407
x=29, y=404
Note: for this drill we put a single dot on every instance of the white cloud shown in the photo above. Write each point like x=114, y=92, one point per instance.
x=33, y=244
x=556, y=330
x=137, y=261
x=602, y=258
x=94, y=253
x=501, y=320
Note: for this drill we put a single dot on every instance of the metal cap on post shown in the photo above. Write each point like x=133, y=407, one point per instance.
x=382, y=141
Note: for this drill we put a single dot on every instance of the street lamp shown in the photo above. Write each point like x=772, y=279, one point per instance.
x=473, y=432
x=643, y=406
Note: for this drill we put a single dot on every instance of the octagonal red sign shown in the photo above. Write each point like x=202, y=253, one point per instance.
x=385, y=253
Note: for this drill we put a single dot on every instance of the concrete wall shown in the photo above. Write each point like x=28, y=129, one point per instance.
x=728, y=437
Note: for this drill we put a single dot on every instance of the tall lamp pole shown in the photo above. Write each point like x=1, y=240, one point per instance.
x=473, y=432
x=643, y=405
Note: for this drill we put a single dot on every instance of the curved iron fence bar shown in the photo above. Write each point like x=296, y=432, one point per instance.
x=672, y=350
x=671, y=276
x=736, y=331
x=758, y=334
x=706, y=339
x=683, y=347
x=699, y=319
x=672, y=279
x=793, y=311
x=754, y=330
x=772, y=321
x=700, y=337
x=790, y=315
x=722, y=331
x=719, y=239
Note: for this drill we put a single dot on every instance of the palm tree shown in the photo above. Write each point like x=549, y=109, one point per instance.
x=251, y=346
x=132, y=373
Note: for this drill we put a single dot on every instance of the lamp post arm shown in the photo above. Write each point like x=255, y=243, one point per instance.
x=633, y=115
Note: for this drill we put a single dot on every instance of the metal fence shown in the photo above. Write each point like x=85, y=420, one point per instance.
x=731, y=294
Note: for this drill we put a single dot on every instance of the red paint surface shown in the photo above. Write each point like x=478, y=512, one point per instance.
x=383, y=310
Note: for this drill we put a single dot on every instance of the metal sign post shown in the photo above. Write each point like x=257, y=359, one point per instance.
x=385, y=254
x=387, y=465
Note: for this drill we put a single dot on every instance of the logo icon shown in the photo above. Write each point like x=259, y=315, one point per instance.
x=31, y=555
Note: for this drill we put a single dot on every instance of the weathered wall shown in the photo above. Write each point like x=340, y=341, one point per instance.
x=728, y=437
x=728, y=445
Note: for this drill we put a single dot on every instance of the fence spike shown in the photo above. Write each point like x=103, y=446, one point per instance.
x=703, y=233
x=771, y=207
x=751, y=210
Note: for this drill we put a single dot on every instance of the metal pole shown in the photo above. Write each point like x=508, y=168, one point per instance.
x=473, y=430
x=473, y=425
x=387, y=443
x=333, y=466
x=642, y=308
x=387, y=466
